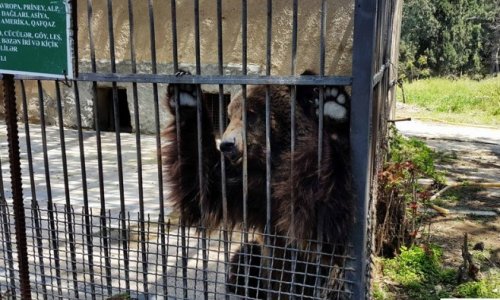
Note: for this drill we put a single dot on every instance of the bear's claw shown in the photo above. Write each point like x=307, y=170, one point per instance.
x=187, y=92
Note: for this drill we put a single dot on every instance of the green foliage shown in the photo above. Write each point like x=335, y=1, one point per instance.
x=419, y=271
x=400, y=196
x=462, y=100
x=453, y=36
x=379, y=292
x=486, y=288
x=413, y=150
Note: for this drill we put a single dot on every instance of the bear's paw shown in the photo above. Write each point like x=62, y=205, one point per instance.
x=187, y=92
x=335, y=104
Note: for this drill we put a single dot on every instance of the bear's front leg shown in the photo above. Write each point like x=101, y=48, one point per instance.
x=182, y=151
x=246, y=275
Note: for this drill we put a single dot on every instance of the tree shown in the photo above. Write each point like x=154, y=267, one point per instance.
x=493, y=40
x=449, y=37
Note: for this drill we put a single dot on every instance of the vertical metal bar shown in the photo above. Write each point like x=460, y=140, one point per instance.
x=6, y=235
x=244, y=48
x=34, y=203
x=50, y=206
x=74, y=28
x=88, y=226
x=321, y=91
x=173, y=12
x=184, y=254
x=104, y=230
x=139, y=154
x=222, y=108
x=66, y=190
x=294, y=36
x=65, y=259
x=321, y=99
x=268, y=230
x=199, y=112
x=293, y=105
x=158, y=141
x=16, y=183
x=362, y=94
x=119, y=162
x=322, y=49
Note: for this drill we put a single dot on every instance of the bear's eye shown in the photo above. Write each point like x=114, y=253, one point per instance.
x=251, y=117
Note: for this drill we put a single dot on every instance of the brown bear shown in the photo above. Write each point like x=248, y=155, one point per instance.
x=311, y=209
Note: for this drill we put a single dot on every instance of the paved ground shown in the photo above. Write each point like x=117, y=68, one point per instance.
x=146, y=263
x=75, y=184
x=477, y=153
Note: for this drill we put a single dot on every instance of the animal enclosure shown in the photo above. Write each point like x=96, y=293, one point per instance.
x=100, y=217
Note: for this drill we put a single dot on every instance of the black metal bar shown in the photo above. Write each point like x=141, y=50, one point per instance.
x=173, y=12
x=88, y=225
x=184, y=258
x=267, y=263
x=222, y=124
x=66, y=190
x=50, y=206
x=244, y=48
x=6, y=236
x=74, y=29
x=199, y=112
x=102, y=197
x=144, y=257
x=321, y=101
x=34, y=203
x=293, y=98
x=16, y=184
x=208, y=79
x=119, y=162
x=362, y=93
x=158, y=141
x=91, y=36
x=322, y=49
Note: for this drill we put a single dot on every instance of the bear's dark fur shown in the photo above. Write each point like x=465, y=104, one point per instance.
x=307, y=203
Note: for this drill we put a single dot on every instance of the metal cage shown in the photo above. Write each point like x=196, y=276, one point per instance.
x=97, y=223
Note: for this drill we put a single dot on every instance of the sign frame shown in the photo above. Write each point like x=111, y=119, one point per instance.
x=70, y=57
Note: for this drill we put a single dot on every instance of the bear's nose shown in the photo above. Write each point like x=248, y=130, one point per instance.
x=227, y=147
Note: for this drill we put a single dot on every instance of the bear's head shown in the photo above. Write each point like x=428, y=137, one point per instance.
x=280, y=116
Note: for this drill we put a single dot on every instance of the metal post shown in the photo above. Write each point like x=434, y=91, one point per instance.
x=361, y=135
x=16, y=182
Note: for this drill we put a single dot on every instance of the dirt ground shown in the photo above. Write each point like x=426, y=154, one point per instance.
x=467, y=154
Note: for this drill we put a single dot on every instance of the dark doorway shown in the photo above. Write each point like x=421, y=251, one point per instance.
x=213, y=108
x=106, y=112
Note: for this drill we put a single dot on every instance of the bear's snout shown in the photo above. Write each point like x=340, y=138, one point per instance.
x=229, y=149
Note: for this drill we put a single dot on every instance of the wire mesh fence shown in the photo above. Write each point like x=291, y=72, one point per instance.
x=134, y=185
x=91, y=265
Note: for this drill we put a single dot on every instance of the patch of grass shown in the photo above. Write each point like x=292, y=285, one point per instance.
x=488, y=287
x=418, y=270
x=463, y=100
x=417, y=273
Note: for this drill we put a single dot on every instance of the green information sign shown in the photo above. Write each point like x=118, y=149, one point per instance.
x=35, y=38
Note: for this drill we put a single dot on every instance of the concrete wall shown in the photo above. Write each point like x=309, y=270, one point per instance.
x=338, y=48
